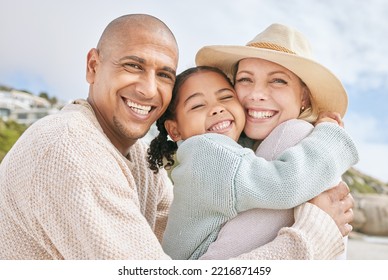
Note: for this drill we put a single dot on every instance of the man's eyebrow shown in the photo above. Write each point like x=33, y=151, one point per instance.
x=143, y=61
x=133, y=57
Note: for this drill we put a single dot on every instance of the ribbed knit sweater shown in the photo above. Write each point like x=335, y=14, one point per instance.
x=67, y=193
x=216, y=179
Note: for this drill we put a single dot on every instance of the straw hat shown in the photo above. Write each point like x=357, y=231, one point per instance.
x=290, y=49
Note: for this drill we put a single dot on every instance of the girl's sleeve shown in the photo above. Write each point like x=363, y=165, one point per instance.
x=298, y=174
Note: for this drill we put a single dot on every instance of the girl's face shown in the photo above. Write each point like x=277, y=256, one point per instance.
x=207, y=104
x=270, y=95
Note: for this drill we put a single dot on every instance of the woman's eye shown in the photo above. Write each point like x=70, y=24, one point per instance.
x=279, y=81
x=242, y=80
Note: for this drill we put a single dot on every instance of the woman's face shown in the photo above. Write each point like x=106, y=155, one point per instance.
x=270, y=95
x=207, y=104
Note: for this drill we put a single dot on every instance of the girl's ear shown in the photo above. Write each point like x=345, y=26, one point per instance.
x=172, y=130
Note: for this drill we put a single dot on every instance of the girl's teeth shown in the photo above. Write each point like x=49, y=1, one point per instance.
x=220, y=126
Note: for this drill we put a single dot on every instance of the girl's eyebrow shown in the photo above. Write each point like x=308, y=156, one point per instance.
x=224, y=89
x=196, y=94
x=192, y=96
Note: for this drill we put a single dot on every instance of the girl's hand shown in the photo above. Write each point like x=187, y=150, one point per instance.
x=332, y=117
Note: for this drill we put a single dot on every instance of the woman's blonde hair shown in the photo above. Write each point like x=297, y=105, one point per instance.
x=311, y=111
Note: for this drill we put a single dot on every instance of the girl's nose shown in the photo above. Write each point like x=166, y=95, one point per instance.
x=217, y=110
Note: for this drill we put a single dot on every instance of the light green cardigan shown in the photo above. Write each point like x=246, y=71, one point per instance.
x=216, y=179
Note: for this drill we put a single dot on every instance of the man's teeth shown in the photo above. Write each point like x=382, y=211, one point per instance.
x=220, y=126
x=260, y=114
x=140, y=109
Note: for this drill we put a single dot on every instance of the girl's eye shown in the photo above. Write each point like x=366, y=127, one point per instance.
x=197, y=106
x=227, y=97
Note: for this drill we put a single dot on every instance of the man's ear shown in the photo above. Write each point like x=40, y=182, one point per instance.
x=172, y=130
x=91, y=64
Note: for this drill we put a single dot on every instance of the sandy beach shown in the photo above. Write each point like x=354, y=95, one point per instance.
x=364, y=247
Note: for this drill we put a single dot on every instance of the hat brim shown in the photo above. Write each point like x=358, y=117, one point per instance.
x=326, y=89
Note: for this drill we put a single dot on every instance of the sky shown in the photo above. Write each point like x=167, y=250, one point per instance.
x=43, y=47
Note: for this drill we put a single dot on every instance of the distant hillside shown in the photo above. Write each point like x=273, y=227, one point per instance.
x=362, y=183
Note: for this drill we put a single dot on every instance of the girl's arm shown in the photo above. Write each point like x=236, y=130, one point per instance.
x=298, y=174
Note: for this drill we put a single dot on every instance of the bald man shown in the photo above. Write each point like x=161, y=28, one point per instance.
x=76, y=185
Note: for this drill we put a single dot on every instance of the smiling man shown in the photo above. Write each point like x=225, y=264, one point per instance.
x=134, y=78
x=77, y=184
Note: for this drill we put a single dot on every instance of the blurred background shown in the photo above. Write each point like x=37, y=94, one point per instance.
x=44, y=43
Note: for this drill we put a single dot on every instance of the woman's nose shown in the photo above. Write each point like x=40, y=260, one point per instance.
x=259, y=93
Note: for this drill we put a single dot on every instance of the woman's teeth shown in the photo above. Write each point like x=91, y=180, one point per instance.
x=261, y=114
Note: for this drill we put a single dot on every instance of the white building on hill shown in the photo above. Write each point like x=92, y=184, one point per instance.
x=23, y=107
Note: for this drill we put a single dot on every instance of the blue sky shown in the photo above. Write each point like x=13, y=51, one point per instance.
x=44, y=44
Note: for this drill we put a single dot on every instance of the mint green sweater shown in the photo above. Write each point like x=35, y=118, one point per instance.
x=217, y=178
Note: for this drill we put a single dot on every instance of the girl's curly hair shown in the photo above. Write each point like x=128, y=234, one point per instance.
x=162, y=149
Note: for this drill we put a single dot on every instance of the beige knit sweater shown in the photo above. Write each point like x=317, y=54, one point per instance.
x=67, y=193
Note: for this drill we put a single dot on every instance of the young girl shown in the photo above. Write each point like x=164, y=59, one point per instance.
x=216, y=178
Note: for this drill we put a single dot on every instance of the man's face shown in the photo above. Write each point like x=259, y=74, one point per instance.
x=131, y=84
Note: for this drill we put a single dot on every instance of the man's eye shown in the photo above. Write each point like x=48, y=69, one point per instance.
x=167, y=76
x=133, y=65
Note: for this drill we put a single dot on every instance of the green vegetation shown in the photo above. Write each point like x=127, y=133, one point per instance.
x=53, y=100
x=10, y=131
x=361, y=183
